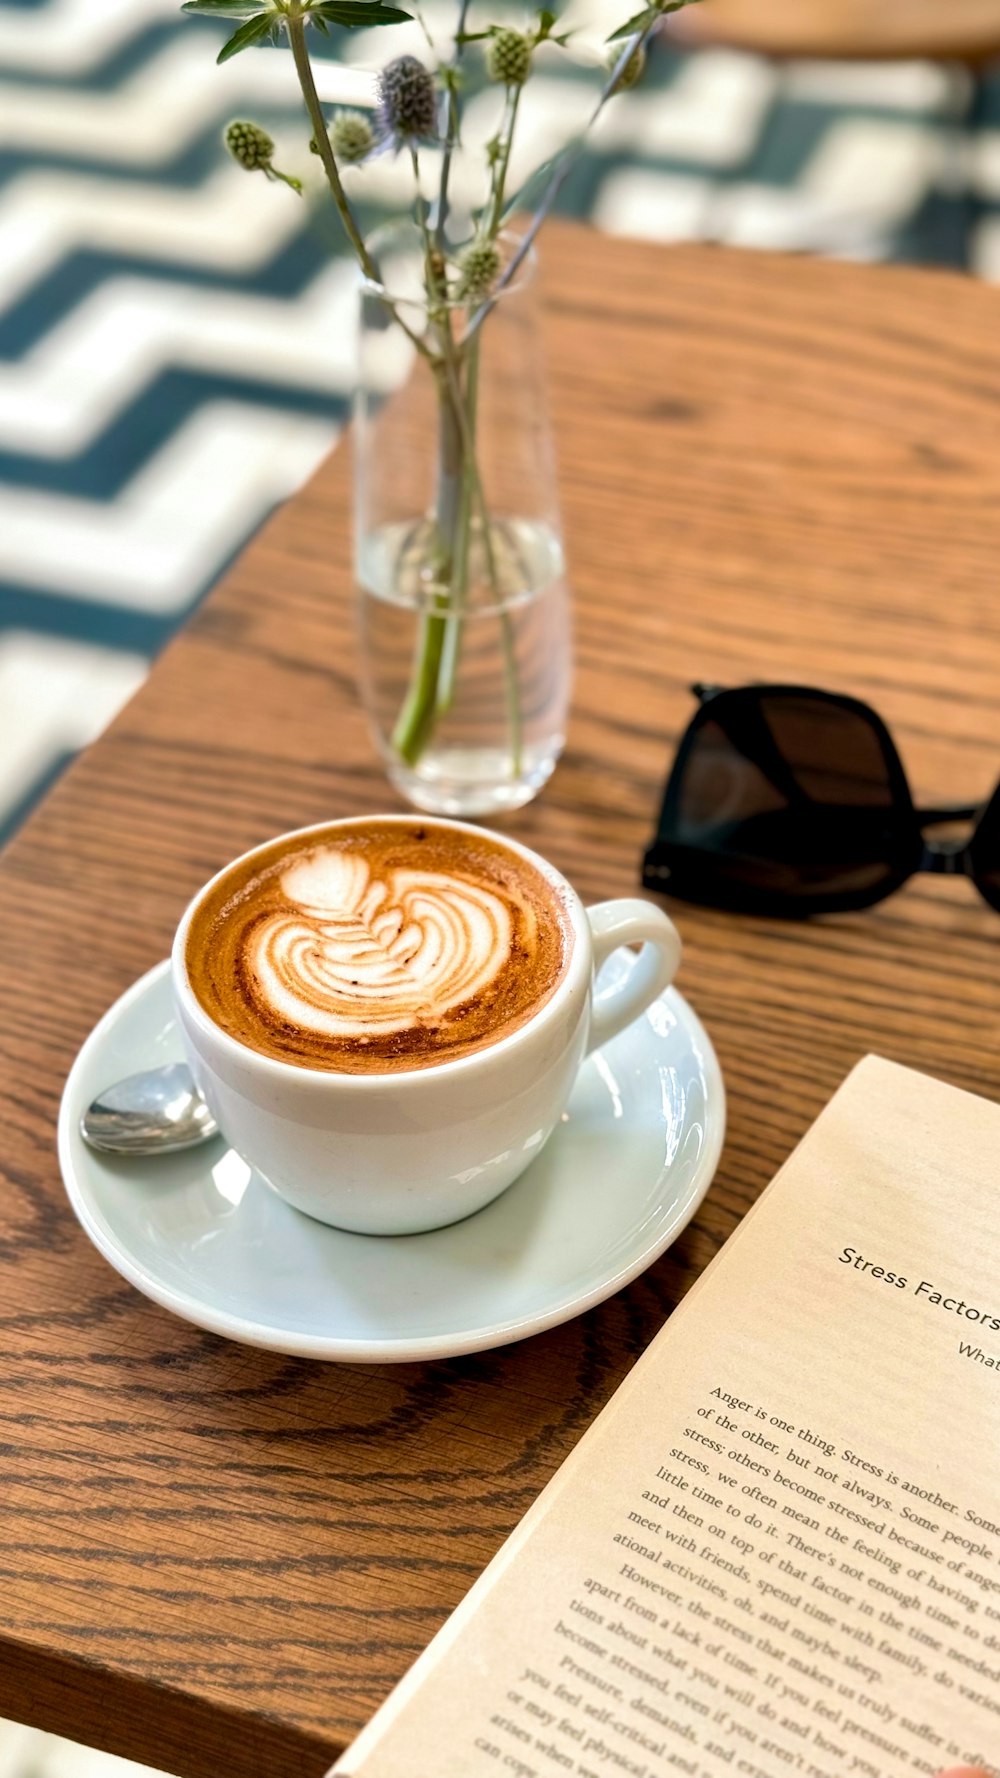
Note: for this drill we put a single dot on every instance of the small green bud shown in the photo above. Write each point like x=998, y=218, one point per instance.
x=633, y=70
x=250, y=145
x=479, y=269
x=508, y=58
x=253, y=148
x=351, y=136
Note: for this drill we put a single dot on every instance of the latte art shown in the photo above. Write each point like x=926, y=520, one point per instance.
x=377, y=945
x=359, y=956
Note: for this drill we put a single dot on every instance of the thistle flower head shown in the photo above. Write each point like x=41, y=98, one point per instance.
x=408, y=105
x=249, y=144
x=479, y=268
x=633, y=70
x=508, y=58
x=351, y=136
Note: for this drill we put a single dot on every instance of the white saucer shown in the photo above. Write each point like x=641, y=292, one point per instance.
x=201, y=1234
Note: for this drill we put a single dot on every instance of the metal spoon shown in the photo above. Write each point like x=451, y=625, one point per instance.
x=152, y=1113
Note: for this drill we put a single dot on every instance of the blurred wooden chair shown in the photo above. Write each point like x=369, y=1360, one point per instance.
x=961, y=35
x=963, y=31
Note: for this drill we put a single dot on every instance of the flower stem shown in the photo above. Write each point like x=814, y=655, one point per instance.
x=507, y=139
x=460, y=492
x=417, y=718
x=459, y=585
x=452, y=131
x=415, y=722
x=433, y=268
x=561, y=170
x=472, y=486
x=471, y=470
x=422, y=705
x=303, y=68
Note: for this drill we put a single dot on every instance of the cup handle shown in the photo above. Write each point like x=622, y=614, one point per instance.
x=617, y=923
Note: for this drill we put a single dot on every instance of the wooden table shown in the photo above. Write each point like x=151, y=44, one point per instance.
x=217, y=1560
x=957, y=30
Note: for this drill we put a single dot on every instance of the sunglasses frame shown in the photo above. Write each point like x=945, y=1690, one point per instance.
x=691, y=873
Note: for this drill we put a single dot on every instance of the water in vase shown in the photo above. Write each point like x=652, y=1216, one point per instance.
x=467, y=698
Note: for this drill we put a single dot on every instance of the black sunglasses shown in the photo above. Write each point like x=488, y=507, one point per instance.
x=784, y=800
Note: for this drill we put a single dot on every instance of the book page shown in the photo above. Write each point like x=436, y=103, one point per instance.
x=777, y=1550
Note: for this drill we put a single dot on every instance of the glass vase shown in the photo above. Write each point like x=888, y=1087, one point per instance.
x=463, y=605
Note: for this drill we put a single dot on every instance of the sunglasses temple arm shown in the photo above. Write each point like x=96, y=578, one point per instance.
x=949, y=812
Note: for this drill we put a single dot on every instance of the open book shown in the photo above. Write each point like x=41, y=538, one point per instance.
x=777, y=1550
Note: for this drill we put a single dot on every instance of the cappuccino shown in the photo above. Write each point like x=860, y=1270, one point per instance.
x=377, y=946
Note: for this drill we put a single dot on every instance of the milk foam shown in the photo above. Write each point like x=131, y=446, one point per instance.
x=364, y=955
x=377, y=946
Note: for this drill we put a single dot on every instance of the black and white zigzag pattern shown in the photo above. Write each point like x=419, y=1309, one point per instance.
x=175, y=337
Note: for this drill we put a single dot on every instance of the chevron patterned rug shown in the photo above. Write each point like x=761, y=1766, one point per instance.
x=170, y=357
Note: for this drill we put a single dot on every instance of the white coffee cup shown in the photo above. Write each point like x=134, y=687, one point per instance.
x=400, y=1152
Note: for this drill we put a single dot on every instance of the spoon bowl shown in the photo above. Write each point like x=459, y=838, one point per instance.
x=156, y=1112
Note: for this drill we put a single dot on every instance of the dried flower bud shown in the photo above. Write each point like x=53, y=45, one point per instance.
x=351, y=136
x=408, y=107
x=633, y=70
x=250, y=145
x=508, y=58
x=479, y=269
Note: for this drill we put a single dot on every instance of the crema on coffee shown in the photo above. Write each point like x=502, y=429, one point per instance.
x=377, y=946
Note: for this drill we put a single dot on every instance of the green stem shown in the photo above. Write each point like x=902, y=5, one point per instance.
x=435, y=662
x=500, y=182
x=303, y=68
x=471, y=468
x=506, y=633
x=422, y=22
x=416, y=720
x=418, y=715
x=452, y=133
x=460, y=490
x=562, y=166
x=433, y=274
x=459, y=586
x=449, y=664
x=274, y=172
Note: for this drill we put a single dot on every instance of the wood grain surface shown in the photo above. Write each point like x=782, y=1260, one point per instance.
x=217, y=1560
x=962, y=30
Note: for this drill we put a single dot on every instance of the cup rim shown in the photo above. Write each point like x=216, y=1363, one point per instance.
x=577, y=974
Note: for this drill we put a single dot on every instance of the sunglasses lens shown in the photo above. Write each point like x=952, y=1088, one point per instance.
x=795, y=798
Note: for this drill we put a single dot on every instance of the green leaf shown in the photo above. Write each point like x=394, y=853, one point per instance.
x=251, y=32
x=639, y=22
x=546, y=20
x=226, y=9
x=359, y=13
